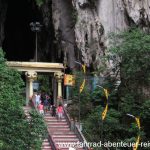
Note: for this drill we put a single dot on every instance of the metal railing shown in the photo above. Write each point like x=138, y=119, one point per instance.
x=80, y=136
x=52, y=143
x=67, y=117
x=75, y=129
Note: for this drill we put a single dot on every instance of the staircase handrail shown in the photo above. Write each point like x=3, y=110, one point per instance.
x=50, y=138
x=51, y=141
x=81, y=137
x=67, y=117
x=76, y=130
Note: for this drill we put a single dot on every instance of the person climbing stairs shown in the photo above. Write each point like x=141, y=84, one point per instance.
x=61, y=133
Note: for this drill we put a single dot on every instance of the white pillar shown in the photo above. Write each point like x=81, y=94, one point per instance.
x=59, y=76
x=59, y=88
x=30, y=77
x=31, y=87
x=27, y=91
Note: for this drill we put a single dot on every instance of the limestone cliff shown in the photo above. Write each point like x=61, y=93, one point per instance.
x=78, y=29
x=95, y=19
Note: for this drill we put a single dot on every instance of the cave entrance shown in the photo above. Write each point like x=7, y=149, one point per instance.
x=19, y=42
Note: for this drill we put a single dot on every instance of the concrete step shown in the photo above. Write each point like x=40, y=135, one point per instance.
x=64, y=136
x=66, y=148
x=62, y=133
x=65, y=145
x=56, y=123
x=51, y=117
x=46, y=145
x=46, y=148
x=55, y=120
x=66, y=140
x=26, y=112
x=58, y=129
x=26, y=109
x=58, y=126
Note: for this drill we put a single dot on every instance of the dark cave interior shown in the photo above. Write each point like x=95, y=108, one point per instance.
x=19, y=42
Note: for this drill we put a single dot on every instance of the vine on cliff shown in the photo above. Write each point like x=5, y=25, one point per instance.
x=39, y=2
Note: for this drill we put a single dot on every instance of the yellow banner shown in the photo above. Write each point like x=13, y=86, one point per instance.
x=138, y=122
x=106, y=93
x=82, y=86
x=104, y=112
x=84, y=68
x=135, y=147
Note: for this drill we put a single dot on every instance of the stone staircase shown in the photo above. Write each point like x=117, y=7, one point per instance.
x=26, y=111
x=60, y=132
x=46, y=145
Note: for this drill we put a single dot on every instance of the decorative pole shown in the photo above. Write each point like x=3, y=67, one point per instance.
x=104, y=113
x=81, y=87
x=137, y=120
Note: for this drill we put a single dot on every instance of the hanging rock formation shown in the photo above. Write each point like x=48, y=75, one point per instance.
x=78, y=29
x=89, y=33
x=64, y=28
x=139, y=12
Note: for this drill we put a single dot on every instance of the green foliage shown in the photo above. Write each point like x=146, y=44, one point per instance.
x=134, y=50
x=44, y=82
x=111, y=129
x=85, y=99
x=16, y=132
x=131, y=49
x=37, y=130
x=39, y=2
x=145, y=117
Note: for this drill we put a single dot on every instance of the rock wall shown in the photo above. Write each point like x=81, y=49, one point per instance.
x=79, y=28
x=112, y=15
x=139, y=12
x=89, y=33
x=64, y=28
x=46, y=36
x=96, y=19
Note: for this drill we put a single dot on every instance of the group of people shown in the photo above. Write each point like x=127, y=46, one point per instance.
x=44, y=104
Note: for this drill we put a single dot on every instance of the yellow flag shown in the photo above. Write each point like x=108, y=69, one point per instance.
x=106, y=93
x=138, y=122
x=84, y=68
x=104, y=112
x=135, y=147
x=82, y=86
